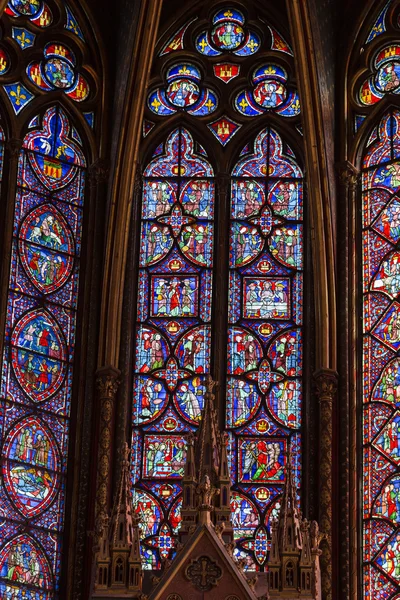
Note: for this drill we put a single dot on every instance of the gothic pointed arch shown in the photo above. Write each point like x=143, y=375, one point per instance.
x=51, y=97
x=219, y=269
x=370, y=189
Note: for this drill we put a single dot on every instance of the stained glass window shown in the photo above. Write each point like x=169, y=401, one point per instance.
x=38, y=355
x=200, y=235
x=174, y=314
x=376, y=83
x=381, y=365
x=263, y=410
x=42, y=301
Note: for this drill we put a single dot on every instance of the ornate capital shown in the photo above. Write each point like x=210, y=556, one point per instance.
x=107, y=381
x=347, y=174
x=14, y=146
x=99, y=171
x=326, y=383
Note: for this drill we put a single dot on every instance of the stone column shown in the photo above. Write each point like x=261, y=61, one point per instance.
x=347, y=176
x=107, y=381
x=326, y=382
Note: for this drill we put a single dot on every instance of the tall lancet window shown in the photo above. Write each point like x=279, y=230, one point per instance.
x=375, y=111
x=49, y=93
x=220, y=269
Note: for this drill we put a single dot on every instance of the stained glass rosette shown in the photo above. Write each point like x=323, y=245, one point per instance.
x=183, y=91
x=57, y=71
x=264, y=386
x=380, y=360
x=173, y=332
x=269, y=92
x=38, y=356
x=228, y=33
x=385, y=78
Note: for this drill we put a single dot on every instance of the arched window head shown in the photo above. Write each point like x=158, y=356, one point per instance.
x=219, y=270
x=374, y=108
x=49, y=92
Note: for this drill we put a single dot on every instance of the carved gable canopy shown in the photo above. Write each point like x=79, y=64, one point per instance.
x=202, y=569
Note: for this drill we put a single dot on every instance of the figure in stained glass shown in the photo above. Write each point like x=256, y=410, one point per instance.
x=246, y=243
x=163, y=457
x=285, y=244
x=30, y=467
x=192, y=350
x=227, y=36
x=148, y=511
x=196, y=198
x=59, y=73
x=37, y=352
x=243, y=401
x=388, y=327
x=22, y=562
x=388, y=501
x=284, y=353
x=389, y=560
x=159, y=196
x=150, y=399
x=388, y=277
x=174, y=296
x=247, y=198
x=284, y=199
x=266, y=297
x=195, y=242
x=183, y=92
x=156, y=242
x=261, y=460
x=190, y=398
x=387, y=388
x=152, y=350
x=388, y=440
x=389, y=176
x=26, y=7
x=269, y=94
x=388, y=222
x=387, y=78
x=245, y=351
x=284, y=403
x=244, y=513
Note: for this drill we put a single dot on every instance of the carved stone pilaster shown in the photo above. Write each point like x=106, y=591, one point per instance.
x=98, y=172
x=326, y=382
x=14, y=146
x=348, y=177
x=107, y=381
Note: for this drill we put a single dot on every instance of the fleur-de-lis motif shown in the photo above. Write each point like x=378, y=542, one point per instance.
x=24, y=40
x=18, y=96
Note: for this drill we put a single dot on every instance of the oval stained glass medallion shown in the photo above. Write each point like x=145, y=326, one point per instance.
x=46, y=248
x=38, y=354
x=30, y=467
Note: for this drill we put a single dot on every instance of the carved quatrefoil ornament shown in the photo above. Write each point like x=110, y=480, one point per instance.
x=203, y=573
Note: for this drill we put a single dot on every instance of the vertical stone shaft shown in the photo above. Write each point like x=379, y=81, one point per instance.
x=106, y=384
x=326, y=381
x=347, y=176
